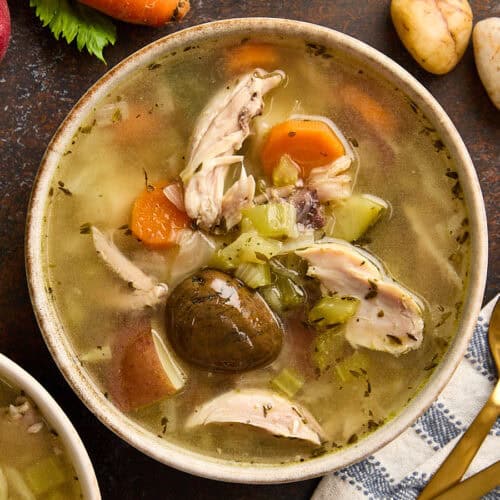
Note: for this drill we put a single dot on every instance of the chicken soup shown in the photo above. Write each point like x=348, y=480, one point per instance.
x=258, y=249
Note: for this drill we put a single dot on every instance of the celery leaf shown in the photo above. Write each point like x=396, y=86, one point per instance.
x=71, y=21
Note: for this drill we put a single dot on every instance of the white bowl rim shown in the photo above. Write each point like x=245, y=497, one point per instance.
x=170, y=453
x=13, y=374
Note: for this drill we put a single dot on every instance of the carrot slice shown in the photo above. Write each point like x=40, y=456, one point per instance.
x=155, y=220
x=310, y=143
x=249, y=56
x=150, y=13
x=370, y=110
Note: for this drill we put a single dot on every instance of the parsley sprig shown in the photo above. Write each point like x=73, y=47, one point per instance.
x=75, y=22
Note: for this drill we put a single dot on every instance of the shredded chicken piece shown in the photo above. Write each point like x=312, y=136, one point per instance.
x=146, y=290
x=221, y=130
x=237, y=197
x=330, y=181
x=388, y=317
x=260, y=408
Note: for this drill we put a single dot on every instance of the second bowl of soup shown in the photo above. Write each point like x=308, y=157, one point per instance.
x=250, y=250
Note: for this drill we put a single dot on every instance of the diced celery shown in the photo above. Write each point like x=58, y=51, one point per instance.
x=331, y=311
x=286, y=173
x=45, y=475
x=272, y=296
x=355, y=215
x=254, y=275
x=247, y=226
x=328, y=345
x=222, y=261
x=248, y=247
x=288, y=381
x=353, y=367
x=291, y=294
x=274, y=220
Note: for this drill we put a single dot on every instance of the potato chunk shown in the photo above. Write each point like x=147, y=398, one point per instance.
x=486, y=39
x=435, y=32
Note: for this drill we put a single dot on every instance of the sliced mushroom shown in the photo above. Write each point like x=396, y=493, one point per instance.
x=146, y=290
x=259, y=408
x=389, y=317
x=220, y=131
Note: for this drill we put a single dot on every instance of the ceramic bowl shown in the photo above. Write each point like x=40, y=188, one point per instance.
x=62, y=350
x=13, y=374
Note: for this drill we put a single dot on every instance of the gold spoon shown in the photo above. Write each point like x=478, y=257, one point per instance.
x=454, y=467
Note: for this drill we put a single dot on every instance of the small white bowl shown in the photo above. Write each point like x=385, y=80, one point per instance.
x=53, y=414
x=60, y=345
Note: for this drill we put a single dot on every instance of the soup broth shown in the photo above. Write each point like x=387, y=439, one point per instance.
x=138, y=138
x=33, y=463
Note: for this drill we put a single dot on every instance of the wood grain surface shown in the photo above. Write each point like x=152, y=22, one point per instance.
x=41, y=79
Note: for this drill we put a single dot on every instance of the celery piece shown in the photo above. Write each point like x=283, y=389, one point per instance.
x=274, y=220
x=332, y=311
x=45, y=475
x=288, y=381
x=249, y=247
x=254, y=275
x=246, y=226
x=272, y=296
x=355, y=215
x=352, y=367
x=291, y=294
x=286, y=172
x=222, y=261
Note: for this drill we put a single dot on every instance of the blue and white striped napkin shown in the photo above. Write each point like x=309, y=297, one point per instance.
x=400, y=470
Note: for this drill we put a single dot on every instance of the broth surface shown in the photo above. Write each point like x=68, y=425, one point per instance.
x=422, y=242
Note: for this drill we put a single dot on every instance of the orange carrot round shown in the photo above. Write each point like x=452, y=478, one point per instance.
x=155, y=220
x=249, y=56
x=310, y=143
x=151, y=13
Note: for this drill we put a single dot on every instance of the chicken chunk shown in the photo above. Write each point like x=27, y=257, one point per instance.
x=389, y=317
x=332, y=182
x=260, y=408
x=146, y=290
x=221, y=130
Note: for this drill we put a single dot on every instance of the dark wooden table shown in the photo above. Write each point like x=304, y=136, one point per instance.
x=41, y=79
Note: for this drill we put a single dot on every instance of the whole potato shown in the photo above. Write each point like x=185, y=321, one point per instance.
x=435, y=32
x=486, y=40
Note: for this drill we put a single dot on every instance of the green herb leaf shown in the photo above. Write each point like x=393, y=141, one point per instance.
x=71, y=21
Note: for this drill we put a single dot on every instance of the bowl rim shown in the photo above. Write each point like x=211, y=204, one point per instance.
x=14, y=374
x=175, y=455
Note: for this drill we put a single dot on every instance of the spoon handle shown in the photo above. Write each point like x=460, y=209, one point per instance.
x=457, y=462
x=475, y=486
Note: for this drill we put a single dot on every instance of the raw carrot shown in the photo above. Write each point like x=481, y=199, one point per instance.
x=309, y=143
x=370, y=110
x=155, y=220
x=251, y=55
x=151, y=13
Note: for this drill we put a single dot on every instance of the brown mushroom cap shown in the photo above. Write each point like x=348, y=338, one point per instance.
x=216, y=322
